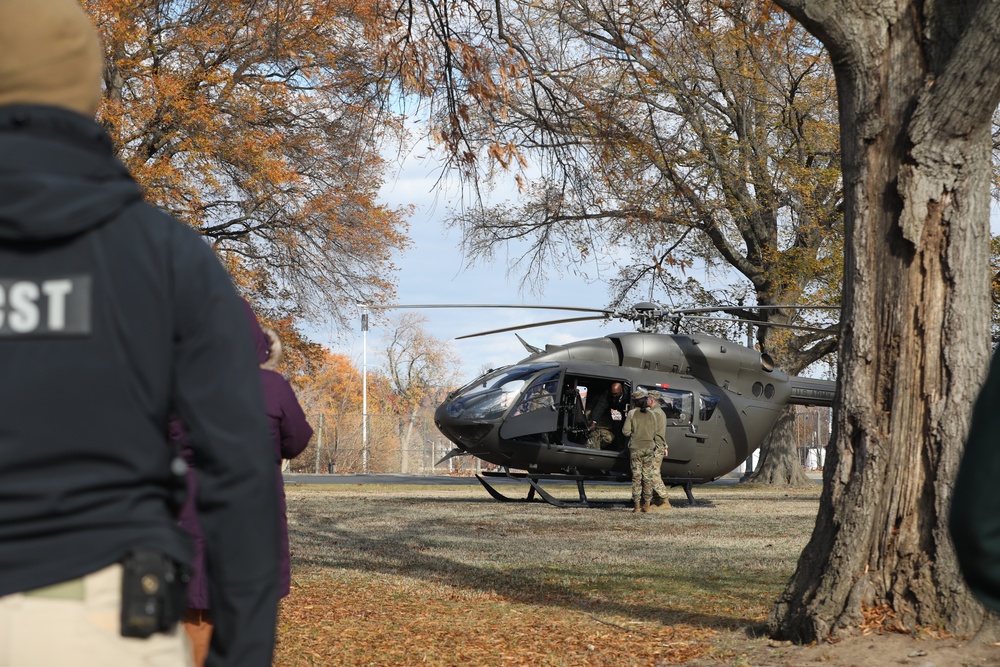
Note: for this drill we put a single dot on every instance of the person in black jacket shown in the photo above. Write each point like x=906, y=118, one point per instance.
x=113, y=315
x=975, y=506
x=607, y=418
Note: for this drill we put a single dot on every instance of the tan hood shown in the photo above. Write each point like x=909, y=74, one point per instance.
x=49, y=54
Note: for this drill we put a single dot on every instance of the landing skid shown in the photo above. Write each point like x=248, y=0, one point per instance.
x=535, y=487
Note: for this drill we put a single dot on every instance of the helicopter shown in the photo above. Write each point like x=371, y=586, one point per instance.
x=721, y=400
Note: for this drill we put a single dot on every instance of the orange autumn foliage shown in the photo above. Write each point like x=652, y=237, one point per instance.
x=333, y=386
x=259, y=124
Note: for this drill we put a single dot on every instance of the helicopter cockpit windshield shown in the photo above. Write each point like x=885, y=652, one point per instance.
x=490, y=396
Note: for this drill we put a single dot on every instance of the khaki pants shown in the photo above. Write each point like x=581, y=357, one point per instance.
x=63, y=627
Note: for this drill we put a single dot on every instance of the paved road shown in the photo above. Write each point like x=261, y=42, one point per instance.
x=446, y=480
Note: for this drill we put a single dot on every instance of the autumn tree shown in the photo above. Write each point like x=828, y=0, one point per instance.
x=657, y=134
x=418, y=366
x=333, y=388
x=327, y=393
x=331, y=394
x=260, y=124
x=917, y=84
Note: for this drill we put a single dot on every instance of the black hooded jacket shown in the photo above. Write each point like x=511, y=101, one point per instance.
x=112, y=314
x=974, y=517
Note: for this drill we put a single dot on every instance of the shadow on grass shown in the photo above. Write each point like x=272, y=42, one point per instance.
x=406, y=552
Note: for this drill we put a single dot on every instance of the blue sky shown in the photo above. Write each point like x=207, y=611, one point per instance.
x=433, y=271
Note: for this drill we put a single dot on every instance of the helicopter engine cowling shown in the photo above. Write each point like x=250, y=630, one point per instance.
x=596, y=350
x=705, y=357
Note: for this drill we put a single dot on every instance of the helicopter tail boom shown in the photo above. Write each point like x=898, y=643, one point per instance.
x=812, y=391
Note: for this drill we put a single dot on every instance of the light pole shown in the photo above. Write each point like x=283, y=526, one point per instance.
x=364, y=387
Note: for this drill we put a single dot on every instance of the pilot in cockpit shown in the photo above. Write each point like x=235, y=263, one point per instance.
x=539, y=397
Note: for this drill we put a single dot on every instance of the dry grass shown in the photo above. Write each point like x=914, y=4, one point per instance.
x=447, y=576
x=442, y=576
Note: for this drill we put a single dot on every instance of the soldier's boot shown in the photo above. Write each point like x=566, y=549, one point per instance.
x=644, y=507
x=659, y=503
x=636, y=507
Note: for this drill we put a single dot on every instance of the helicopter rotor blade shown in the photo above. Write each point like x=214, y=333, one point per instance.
x=826, y=330
x=529, y=326
x=642, y=312
x=720, y=309
x=796, y=307
x=490, y=305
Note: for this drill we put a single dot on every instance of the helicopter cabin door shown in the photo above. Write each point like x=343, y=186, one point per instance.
x=592, y=413
x=536, y=412
x=682, y=435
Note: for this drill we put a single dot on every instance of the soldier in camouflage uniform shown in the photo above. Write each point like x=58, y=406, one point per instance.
x=659, y=488
x=645, y=429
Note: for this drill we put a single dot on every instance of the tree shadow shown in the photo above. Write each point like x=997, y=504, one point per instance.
x=406, y=553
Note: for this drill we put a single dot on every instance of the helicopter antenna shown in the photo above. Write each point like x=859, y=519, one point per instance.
x=530, y=348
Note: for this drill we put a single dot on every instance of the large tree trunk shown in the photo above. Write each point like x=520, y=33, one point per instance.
x=914, y=345
x=779, y=463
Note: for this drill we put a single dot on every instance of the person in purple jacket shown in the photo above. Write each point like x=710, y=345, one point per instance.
x=290, y=433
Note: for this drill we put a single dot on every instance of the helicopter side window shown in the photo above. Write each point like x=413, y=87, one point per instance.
x=708, y=405
x=678, y=406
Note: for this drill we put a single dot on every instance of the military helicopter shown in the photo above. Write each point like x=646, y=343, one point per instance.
x=721, y=400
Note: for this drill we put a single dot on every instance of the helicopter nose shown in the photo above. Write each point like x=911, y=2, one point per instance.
x=467, y=436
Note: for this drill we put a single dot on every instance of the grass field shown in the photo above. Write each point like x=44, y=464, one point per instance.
x=409, y=575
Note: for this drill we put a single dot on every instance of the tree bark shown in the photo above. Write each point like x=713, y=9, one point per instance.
x=779, y=463
x=914, y=346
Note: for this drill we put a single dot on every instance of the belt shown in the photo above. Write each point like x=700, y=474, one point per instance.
x=64, y=590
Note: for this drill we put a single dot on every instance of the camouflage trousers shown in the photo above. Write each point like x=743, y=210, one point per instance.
x=601, y=435
x=646, y=474
x=659, y=488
